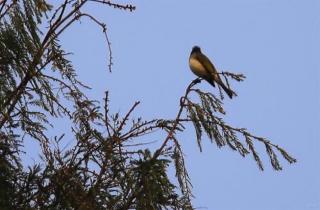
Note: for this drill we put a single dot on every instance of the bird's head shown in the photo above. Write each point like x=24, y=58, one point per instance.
x=196, y=49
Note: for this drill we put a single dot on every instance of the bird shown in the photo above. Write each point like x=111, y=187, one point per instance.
x=202, y=67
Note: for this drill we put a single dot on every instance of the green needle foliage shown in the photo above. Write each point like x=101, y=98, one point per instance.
x=107, y=166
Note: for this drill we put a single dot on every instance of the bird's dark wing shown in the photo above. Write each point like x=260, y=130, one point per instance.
x=204, y=60
x=213, y=75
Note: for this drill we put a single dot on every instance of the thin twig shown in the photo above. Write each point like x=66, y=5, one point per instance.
x=127, y=116
x=174, y=126
x=118, y=6
x=104, y=29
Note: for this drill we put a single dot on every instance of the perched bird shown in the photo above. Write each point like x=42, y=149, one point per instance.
x=202, y=67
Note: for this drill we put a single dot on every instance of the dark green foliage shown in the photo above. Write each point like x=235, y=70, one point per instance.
x=152, y=186
x=7, y=173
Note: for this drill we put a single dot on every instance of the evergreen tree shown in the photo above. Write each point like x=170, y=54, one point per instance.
x=102, y=170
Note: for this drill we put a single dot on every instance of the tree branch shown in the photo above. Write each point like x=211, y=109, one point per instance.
x=176, y=121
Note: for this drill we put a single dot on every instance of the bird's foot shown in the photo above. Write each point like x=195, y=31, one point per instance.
x=196, y=81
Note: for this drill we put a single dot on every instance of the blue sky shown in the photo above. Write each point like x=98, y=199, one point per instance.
x=275, y=43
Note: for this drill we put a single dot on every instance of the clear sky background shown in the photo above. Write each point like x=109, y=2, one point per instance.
x=275, y=43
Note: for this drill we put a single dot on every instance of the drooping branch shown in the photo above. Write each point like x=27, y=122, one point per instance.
x=205, y=118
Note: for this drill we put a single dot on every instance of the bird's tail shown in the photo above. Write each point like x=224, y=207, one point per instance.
x=228, y=91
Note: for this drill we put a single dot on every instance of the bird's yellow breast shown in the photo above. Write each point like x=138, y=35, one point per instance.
x=197, y=68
